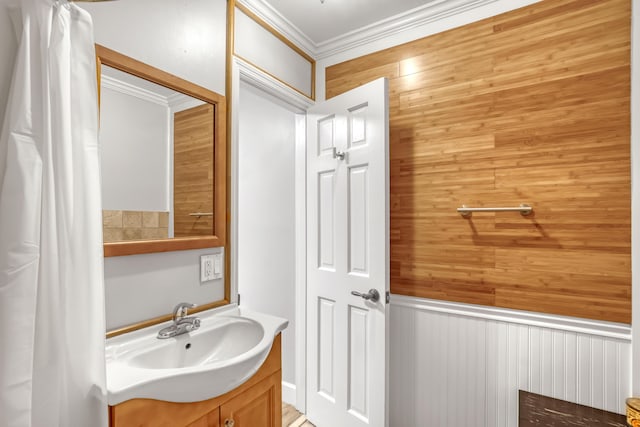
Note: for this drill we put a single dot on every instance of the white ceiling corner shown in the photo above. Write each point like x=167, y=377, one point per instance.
x=324, y=29
x=281, y=24
x=127, y=88
x=145, y=90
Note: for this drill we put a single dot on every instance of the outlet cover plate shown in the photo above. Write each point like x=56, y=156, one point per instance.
x=206, y=268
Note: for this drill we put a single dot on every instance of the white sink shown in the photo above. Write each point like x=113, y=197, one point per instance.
x=228, y=348
x=228, y=337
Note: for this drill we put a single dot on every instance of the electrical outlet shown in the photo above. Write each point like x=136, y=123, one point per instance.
x=206, y=267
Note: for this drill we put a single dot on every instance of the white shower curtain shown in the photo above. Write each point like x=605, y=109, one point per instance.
x=52, y=327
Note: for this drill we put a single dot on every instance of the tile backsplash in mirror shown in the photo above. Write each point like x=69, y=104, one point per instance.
x=121, y=226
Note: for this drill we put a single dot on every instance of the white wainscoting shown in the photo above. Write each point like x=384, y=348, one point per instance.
x=458, y=364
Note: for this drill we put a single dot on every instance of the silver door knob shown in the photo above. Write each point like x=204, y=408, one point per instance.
x=229, y=423
x=372, y=295
x=337, y=154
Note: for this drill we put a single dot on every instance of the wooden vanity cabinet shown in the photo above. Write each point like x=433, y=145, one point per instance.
x=256, y=403
x=256, y=406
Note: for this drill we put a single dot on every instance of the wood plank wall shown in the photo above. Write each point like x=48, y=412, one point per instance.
x=531, y=106
x=193, y=171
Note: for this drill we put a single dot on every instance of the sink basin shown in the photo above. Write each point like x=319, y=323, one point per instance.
x=228, y=338
x=228, y=348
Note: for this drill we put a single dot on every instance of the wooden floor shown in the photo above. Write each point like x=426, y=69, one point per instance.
x=292, y=418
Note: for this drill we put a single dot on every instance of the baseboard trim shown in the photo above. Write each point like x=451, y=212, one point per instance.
x=599, y=328
x=289, y=393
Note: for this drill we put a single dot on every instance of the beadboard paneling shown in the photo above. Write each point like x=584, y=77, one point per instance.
x=448, y=368
x=531, y=106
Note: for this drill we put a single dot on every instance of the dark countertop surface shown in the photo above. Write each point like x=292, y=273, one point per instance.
x=537, y=410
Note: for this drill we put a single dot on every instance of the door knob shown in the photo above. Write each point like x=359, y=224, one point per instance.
x=229, y=423
x=337, y=154
x=372, y=295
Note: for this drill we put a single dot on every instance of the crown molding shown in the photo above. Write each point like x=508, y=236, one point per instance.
x=431, y=12
x=128, y=89
x=176, y=101
x=428, y=13
x=268, y=14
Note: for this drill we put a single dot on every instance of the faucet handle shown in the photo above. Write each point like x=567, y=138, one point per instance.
x=181, y=309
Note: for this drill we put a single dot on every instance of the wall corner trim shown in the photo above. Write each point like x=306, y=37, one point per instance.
x=619, y=331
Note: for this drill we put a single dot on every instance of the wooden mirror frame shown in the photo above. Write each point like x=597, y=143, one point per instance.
x=111, y=58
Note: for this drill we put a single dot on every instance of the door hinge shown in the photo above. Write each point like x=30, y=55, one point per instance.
x=388, y=297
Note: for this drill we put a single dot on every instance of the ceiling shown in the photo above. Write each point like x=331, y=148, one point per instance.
x=321, y=22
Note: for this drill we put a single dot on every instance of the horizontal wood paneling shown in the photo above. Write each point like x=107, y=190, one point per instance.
x=451, y=369
x=531, y=106
x=193, y=171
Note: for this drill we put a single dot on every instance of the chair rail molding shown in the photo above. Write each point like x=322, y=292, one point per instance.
x=601, y=328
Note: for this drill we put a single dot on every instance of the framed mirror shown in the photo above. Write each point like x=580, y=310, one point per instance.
x=164, y=160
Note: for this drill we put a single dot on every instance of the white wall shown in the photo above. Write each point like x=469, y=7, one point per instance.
x=266, y=213
x=145, y=286
x=134, y=149
x=270, y=54
x=185, y=38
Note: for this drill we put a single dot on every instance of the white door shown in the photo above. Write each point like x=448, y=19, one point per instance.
x=348, y=251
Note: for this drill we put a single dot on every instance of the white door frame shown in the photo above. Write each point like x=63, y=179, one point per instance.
x=245, y=72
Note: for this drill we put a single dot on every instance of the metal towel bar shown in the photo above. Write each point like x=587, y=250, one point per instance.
x=524, y=210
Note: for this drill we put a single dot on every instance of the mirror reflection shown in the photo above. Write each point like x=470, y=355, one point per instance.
x=157, y=151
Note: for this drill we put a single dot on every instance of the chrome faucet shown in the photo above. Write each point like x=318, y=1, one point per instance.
x=181, y=322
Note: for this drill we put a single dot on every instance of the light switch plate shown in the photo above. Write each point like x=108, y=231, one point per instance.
x=206, y=267
x=217, y=266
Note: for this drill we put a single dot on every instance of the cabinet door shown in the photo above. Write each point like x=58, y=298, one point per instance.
x=260, y=406
x=212, y=419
